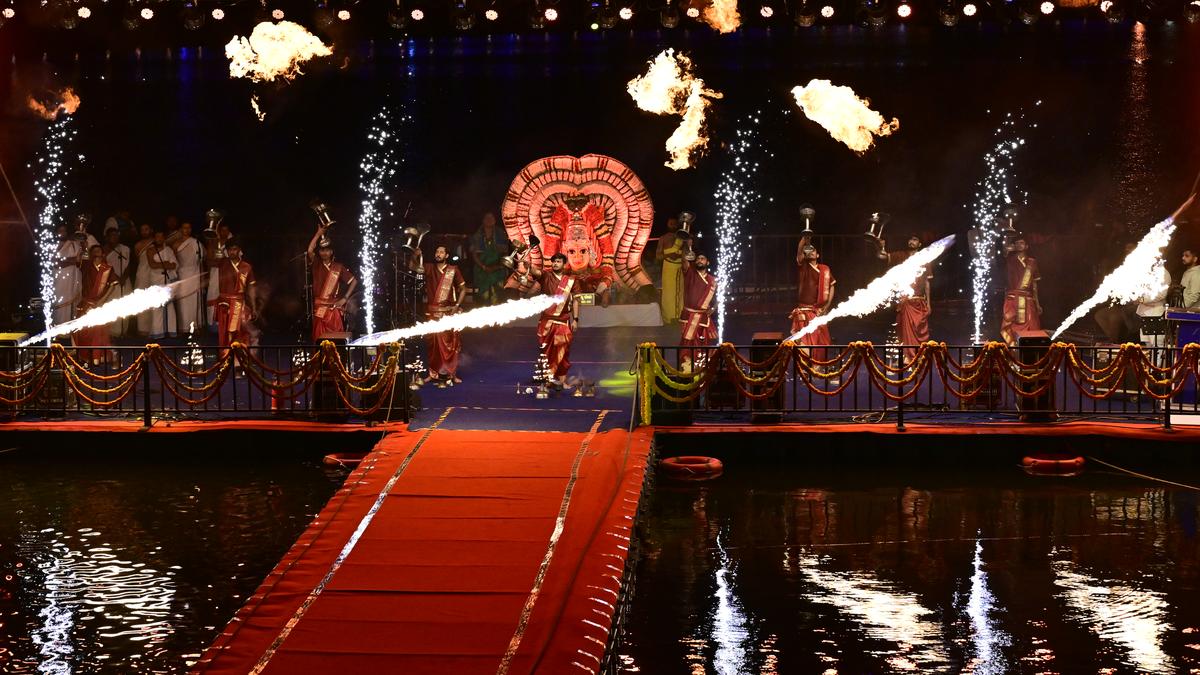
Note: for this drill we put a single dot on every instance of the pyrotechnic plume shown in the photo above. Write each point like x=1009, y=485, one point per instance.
x=53, y=167
x=670, y=88
x=1138, y=276
x=66, y=101
x=138, y=301
x=895, y=284
x=273, y=51
x=257, y=110
x=996, y=190
x=844, y=115
x=376, y=178
x=723, y=16
x=736, y=194
x=482, y=317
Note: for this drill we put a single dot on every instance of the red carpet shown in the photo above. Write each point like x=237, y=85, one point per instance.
x=457, y=566
x=1130, y=430
x=163, y=426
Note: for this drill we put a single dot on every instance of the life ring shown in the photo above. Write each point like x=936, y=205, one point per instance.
x=1053, y=464
x=692, y=467
x=349, y=460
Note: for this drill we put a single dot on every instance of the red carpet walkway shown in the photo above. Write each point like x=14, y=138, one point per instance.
x=453, y=552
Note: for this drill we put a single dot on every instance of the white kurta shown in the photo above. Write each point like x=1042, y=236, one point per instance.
x=68, y=281
x=118, y=259
x=187, y=294
x=164, y=320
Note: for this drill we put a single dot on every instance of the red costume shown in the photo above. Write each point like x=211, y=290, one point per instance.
x=912, y=313
x=328, y=284
x=699, y=290
x=816, y=288
x=554, y=326
x=232, y=305
x=97, y=280
x=1021, y=308
x=444, y=289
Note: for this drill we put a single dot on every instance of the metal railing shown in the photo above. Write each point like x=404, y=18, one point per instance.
x=192, y=382
x=960, y=383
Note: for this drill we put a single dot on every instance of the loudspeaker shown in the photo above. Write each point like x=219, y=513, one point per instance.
x=1031, y=346
x=766, y=410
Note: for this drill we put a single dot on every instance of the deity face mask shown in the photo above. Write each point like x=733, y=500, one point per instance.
x=578, y=249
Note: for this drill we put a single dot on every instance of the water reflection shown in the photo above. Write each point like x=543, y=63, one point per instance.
x=814, y=571
x=883, y=612
x=1133, y=618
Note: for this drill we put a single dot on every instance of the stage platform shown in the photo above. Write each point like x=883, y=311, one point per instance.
x=454, y=551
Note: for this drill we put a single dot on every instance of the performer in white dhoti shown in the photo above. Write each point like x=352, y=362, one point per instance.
x=117, y=256
x=164, y=270
x=190, y=255
x=68, y=280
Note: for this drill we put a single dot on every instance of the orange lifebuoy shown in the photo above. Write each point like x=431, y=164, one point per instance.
x=346, y=459
x=692, y=467
x=1053, y=464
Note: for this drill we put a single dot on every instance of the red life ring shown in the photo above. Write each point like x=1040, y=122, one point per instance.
x=1053, y=464
x=349, y=460
x=692, y=467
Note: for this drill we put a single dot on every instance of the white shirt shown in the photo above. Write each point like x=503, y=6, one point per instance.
x=1191, y=287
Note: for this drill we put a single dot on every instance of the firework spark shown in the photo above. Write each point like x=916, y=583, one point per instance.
x=1139, y=275
x=735, y=195
x=53, y=167
x=482, y=317
x=257, y=110
x=844, y=115
x=376, y=178
x=138, y=301
x=273, y=51
x=723, y=15
x=670, y=88
x=896, y=283
x=65, y=101
x=995, y=191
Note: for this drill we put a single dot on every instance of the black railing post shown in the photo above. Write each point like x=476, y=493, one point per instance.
x=900, y=415
x=147, y=420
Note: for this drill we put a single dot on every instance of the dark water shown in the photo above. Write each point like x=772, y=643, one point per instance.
x=134, y=562
x=804, y=569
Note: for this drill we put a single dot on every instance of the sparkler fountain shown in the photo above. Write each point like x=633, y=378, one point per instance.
x=735, y=195
x=53, y=167
x=994, y=194
x=377, y=172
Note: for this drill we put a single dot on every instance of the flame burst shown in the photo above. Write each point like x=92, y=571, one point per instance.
x=669, y=88
x=1139, y=275
x=67, y=101
x=482, y=317
x=723, y=16
x=844, y=115
x=896, y=283
x=273, y=51
x=138, y=301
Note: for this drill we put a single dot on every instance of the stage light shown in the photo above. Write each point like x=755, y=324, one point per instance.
x=970, y=9
x=551, y=14
x=491, y=15
x=669, y=17
x=193, y=18
x=625, y=13
x=767, y=11
x=805, y=16
x=343, y=14
x=1047, y=7
x=904, y=10
x=84, y=12
x=827, y=11
x=417, y=15
x=8, y=12
x=693, y=12
x=147, y=13
x=218, y=14
x=1113, y=11
x=277, y=14
x=1191, y=11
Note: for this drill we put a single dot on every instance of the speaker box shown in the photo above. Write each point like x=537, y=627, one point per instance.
x=766, y=410
x=1031, y=346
